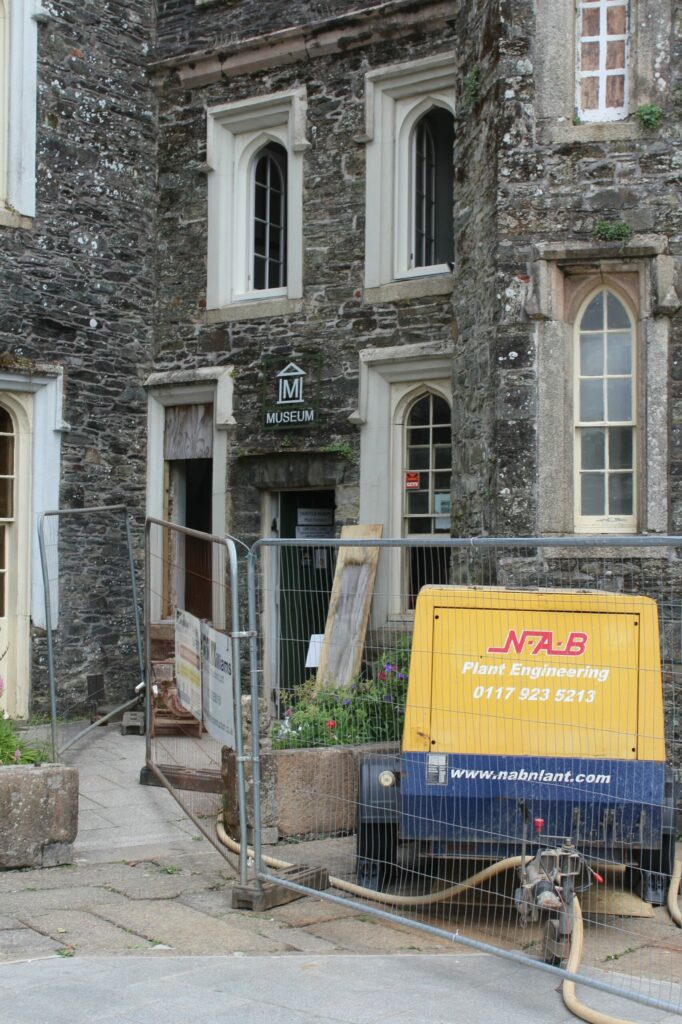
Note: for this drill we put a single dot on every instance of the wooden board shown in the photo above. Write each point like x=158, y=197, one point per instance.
x=188, y=432
x=600, y=899
x=269, y=894
x=346, y=626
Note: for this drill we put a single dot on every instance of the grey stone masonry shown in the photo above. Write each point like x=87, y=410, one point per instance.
x=39, y=813
x=78, y=283
x=335, y=319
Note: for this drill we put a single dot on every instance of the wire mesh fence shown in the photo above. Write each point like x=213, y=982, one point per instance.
x=493, y=756
x=92, y=648
x=192, y=641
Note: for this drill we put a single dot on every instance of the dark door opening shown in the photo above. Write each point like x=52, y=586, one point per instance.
x=306, y=575
x=190, y=504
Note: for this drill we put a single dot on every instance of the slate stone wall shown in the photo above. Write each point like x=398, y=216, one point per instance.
x=78, y=290
x=335, y=321
x=515, y=188
x=184, y=27
x=110, y=283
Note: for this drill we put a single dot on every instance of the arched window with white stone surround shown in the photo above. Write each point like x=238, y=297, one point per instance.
x=427, y=479
x=605, y=415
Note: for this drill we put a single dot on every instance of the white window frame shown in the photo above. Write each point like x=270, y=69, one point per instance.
x=236, y=133
x=34, y=401
x=601, y=112
x=395, y=98
x=18, y=67
x=554, y=62
x=4, y=87
x=555, y=270
x=390, y=380
x=605, y=523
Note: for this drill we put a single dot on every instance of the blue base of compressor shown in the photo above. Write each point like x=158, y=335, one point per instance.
x=481, y=804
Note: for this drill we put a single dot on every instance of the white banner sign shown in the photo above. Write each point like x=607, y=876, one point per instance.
x=218, y=687
x=188, y=661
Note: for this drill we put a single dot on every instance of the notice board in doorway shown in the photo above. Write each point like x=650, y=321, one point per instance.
x=348, y=615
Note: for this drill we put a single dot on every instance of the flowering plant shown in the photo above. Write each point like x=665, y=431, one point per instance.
x=13, y=749
x=371, y=710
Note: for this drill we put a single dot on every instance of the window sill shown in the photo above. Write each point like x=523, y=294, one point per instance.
x=10, y=219
x=616, y=544
x=254, y=309
x=589, y=131
x=411, y=288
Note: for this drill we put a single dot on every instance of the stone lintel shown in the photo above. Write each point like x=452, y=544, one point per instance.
x=286, y=46
x=589, y=250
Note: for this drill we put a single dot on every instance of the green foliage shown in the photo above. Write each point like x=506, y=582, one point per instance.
x=472, y=87
x=612, y=231
x=14, y=750
x=370, y=711
x=650, y=116
x=342, y=449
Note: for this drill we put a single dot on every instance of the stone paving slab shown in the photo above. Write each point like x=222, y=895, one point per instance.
x=405, y=989
x=186, y=931
x=91, y=933
x=27, y=904
x=311, y=910
x=23, y=943
x=367, y=935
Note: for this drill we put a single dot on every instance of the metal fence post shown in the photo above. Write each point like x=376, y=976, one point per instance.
x=48, y=631
x=255, y=718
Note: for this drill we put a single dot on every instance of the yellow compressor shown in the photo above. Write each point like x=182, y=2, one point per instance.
x=533, y=724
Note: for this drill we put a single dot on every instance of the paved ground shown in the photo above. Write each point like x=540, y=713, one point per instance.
x=141, y=929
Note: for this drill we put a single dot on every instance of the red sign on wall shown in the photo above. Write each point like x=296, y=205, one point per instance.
x=411, y=481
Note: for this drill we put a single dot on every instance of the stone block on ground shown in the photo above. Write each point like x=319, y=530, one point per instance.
x=39, y=814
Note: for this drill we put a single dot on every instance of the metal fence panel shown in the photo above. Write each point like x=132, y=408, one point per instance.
x=526, y=716
x=193, y=640
x=93, y=646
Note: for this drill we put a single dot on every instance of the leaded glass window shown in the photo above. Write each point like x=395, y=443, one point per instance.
x=605, y=412
x=428, y=474
x=269, y=218
x=432, y=241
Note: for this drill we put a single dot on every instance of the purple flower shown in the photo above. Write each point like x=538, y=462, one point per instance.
x=346, y=702
x=389, y=668
x=17, y=754
x=388, y=698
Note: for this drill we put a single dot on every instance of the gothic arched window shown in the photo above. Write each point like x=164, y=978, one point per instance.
x=269, y=218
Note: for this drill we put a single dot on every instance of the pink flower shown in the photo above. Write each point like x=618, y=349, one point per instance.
x=17, y=754
x=331, y=724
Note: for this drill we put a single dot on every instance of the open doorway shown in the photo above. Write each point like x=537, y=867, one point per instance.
x=305, y=577
x=188, y=450
x=189, y=497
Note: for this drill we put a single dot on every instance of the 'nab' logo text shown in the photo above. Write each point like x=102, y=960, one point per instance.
x=541, y=641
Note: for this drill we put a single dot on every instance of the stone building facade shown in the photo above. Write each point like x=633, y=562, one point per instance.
x=352, y=252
